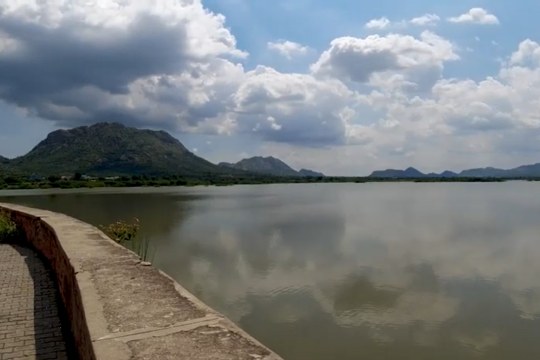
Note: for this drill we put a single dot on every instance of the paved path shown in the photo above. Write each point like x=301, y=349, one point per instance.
x=30, y=326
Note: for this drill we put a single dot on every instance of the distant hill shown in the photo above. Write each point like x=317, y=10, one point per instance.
x=268, y=166
x=310, y=173
x=263, y=165
x=521, y=171
x=448, y=174
x=112, y=149
x=3, y=164
x=525, y=171
x=484, y=172
x=398, y=174
x=532, y=170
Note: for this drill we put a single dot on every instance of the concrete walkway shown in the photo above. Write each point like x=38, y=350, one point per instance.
x=30, y=326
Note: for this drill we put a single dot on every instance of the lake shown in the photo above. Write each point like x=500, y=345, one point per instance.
x=346, y=271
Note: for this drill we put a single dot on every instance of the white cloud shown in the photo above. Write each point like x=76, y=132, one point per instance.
x=204, y=31
x=384, y=23
x=485, y=122
x=288, y=49
x=455, y=123
x=291, y=108
x=392, y=59
x=528, y=53
x=476, y=16
x=273, y=123
x=378, y=24
x=426, y=20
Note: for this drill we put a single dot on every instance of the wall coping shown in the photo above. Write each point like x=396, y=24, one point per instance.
x=120, y=308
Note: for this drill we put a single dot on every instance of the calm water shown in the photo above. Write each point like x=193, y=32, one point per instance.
x=366, y=271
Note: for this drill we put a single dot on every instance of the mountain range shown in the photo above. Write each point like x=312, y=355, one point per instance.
x=109, y=149
x=269, y=166
x=525, y=171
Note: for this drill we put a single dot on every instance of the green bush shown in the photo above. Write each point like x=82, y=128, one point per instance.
x=122, y=231
x=8, y=229
x=127, y=234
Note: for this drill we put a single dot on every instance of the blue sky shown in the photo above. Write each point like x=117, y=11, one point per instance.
x=345, y=87
x=317, y=23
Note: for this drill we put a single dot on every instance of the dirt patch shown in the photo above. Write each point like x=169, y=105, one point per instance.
x=212, y=343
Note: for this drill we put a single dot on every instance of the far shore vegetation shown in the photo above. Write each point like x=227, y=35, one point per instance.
x=85, y=181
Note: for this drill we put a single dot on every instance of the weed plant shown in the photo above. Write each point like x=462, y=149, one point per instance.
x=127, y=234
x=8, y=228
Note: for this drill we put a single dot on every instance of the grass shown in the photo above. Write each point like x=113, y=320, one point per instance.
x=8, y=228
x=141, y=246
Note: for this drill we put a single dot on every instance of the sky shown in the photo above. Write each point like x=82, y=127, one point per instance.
x=344, y=87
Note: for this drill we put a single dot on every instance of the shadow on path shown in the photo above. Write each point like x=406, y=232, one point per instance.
x=31, y=318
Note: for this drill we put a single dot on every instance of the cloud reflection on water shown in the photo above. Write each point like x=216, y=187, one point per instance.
x=419, y=259
x=332, y=270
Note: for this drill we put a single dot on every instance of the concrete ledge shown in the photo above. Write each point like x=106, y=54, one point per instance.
x=120, y=309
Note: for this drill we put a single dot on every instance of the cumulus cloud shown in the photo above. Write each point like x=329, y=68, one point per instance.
x=402, y=59
x=426, y=20
x=84, y=63
x=288, y=49
x=476, y=16
x=292, y=108
x=378, y=24
x=487, y=120
x=528, y=53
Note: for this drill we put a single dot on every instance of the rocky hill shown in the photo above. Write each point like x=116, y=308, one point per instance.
x=397, y=174
x=525, y=171
x=310, y=173
x=112, y=149
x=268, y=166
x=484, y=172
x=3, y=164
x=521, y=171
